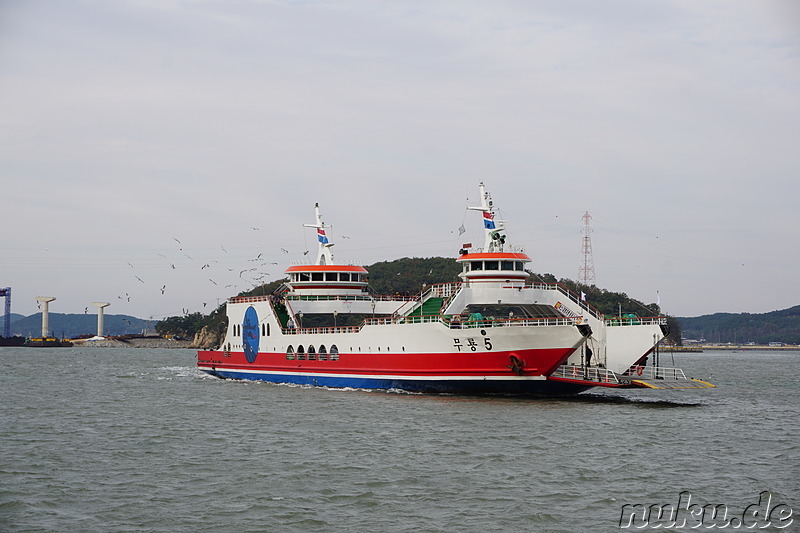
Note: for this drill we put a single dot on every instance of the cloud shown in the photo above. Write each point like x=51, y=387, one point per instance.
x=674, y=119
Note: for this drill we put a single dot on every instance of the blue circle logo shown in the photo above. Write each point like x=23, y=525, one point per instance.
x=250, y=334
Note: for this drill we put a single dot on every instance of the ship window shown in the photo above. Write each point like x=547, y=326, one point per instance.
x=267, y=329
x=322, y=353
x=334, y=353
x=290, y=353
x=508, y=265
x=491, y=265
x=263, y=329
x=301, y=353
x=304, y=276
x=477, y=265
x=331, y=276
x=316, y=276
x=312, y=354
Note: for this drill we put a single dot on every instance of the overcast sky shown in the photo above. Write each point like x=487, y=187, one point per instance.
x=142, y=140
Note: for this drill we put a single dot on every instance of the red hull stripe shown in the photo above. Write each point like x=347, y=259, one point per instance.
x=535, y=363
x=326, y=268
x=338, y=286
x=494, y=255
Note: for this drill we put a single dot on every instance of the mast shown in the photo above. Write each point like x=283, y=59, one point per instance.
x=324, y=254
x=493, y=228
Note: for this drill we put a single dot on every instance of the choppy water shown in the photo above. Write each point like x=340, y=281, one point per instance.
x=139, y=440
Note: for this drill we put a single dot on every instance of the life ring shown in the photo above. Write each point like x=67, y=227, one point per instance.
x=638, y=370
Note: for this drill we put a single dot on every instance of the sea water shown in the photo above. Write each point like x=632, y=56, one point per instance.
x=96, y=439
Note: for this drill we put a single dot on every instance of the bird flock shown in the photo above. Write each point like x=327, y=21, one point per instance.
x=226, y=275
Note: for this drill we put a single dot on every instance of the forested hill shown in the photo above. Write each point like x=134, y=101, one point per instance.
x=776, y=326
x=73, y=325
x=407, y=276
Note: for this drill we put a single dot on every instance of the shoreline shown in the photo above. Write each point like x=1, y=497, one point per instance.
x=727, y=347
x=139, y=342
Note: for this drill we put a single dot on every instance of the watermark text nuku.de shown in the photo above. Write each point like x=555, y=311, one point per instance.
x=765, y=513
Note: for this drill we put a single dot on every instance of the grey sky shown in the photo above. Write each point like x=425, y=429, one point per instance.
x=127, y=125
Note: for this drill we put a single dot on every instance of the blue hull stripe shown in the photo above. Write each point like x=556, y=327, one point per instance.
x=458, y=386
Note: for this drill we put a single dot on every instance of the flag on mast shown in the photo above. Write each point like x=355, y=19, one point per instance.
x=488, y=220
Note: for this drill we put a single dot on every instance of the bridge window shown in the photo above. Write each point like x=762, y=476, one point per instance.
x=491, y=265
x=344, y=276
x=331, y=276
x=301, y=353
x=477, y=265
x=312, y=354
x=290, y=353
x=317, y=276
x=304, y=276
x=507, y=265
x=518, y=265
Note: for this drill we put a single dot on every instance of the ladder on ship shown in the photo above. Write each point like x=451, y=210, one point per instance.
x=429, y=306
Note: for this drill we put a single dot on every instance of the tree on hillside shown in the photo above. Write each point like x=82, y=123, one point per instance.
x=182, y=326
x=408, y=276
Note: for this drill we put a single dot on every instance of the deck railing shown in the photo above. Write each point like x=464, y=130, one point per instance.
x=586, y=373
x=569, y=294
x=656, y=372
x=636, y=321
x=248, y=299
x=442, y=319
x=323, y=298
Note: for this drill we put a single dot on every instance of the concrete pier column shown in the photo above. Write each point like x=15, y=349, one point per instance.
x=45, y=305
x=100, y=316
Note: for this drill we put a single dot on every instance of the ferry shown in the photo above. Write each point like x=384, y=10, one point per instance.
x=323, y=328
x=495, y=331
